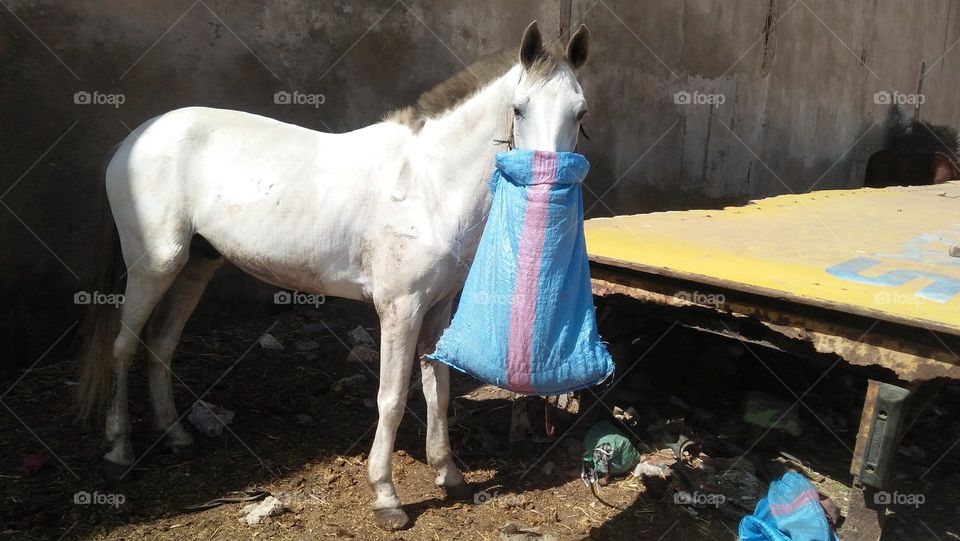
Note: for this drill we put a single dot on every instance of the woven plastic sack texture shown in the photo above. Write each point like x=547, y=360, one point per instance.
x=791, y=511
x=526, y=319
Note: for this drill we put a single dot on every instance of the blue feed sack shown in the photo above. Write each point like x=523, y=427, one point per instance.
x=526, y=320
x=790, y=511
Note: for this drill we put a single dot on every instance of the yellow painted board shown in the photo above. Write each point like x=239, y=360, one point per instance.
x=884, y=251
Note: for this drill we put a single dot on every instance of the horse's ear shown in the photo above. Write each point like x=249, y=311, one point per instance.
x=531, y=47
x=579, y=47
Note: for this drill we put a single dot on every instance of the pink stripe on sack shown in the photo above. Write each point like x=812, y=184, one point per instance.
x=781, y=509
x=529, y=255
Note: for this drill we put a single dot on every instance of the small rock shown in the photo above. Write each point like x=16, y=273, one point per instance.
x=209, y=419
x=304, y=419
x=363, y=354
x=547, y=468
x=306, y=345
x=349, y=382
x=360, y=336
x=256, y=512
x=267, y=341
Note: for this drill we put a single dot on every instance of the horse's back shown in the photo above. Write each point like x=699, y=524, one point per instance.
x=280, y=201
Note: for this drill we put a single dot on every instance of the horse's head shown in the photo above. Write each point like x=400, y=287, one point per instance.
x=548, y=104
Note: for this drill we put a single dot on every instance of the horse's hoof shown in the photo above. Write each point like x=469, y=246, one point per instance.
x=392, y=519
x=459, y=493
x=114, y=471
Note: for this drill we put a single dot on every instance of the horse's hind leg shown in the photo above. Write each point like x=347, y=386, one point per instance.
x=400, y=320
x=161, y=336
x=436, y=391
x=146, y=284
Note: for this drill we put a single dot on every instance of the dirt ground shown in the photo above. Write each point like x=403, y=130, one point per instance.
x=317, y=464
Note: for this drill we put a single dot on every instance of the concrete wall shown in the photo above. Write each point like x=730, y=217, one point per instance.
x=797, y=80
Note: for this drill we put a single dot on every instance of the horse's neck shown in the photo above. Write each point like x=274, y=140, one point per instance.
x=457, y=151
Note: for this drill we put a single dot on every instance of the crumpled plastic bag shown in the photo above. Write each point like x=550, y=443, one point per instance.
x=791, y=511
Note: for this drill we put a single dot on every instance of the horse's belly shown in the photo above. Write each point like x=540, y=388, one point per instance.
x=295, y=267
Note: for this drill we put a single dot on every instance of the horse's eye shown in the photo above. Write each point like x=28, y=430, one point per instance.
x=581, y=114
x=517, y=112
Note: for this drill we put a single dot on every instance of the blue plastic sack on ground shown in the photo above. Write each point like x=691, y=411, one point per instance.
x=526, y=319
x=791, y=511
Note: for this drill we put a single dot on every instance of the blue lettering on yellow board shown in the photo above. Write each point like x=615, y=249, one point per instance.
x=941, y=290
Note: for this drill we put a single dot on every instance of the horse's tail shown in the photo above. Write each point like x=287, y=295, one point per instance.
x=100, y=325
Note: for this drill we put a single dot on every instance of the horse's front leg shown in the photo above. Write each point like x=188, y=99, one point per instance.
x=436, y=391
x=400, y=321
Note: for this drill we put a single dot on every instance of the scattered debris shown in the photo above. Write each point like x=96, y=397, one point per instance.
x=238, y=497
x=256, y=512
x=955, y=250
x=209, y=419
x=363, y=354
x=800, y=466
x=625, y=416
x=267, y=341
x=349, y=382
x=515, y=531
x=360, y=337
x=768, y=411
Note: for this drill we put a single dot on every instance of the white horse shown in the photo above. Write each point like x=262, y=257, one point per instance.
x=390, y=214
